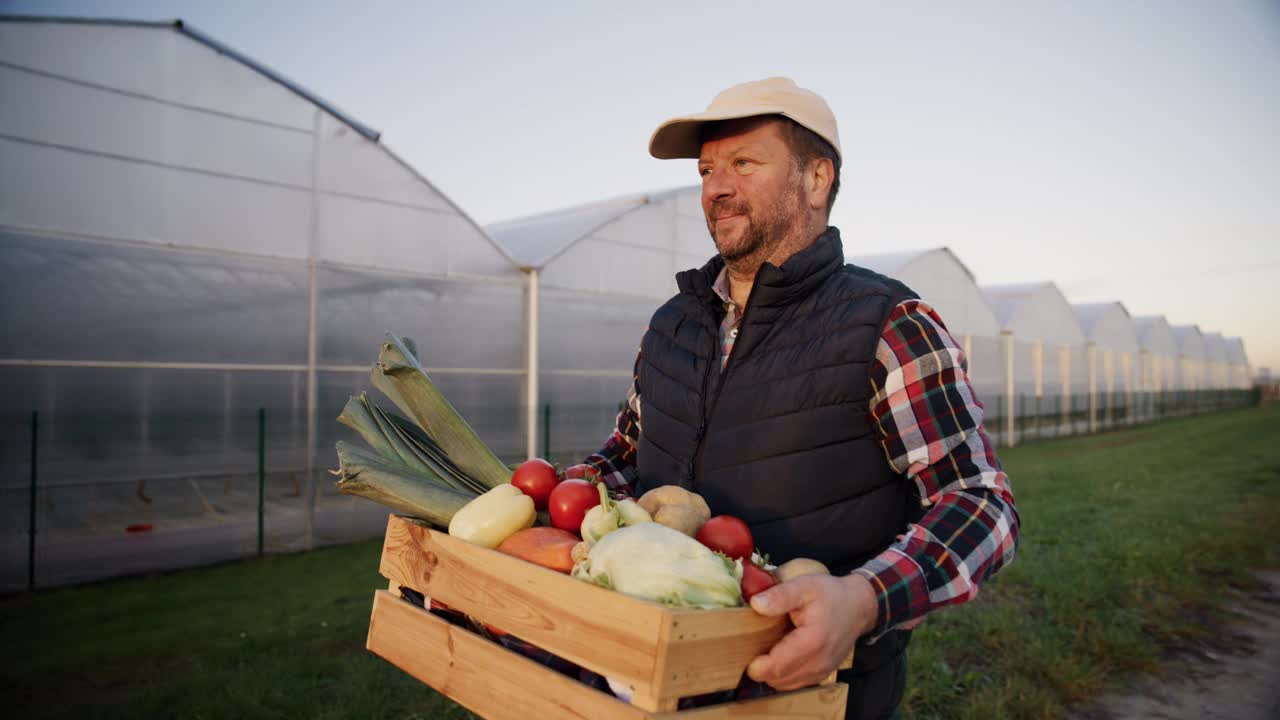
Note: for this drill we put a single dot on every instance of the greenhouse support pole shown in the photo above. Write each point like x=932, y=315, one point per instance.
x=262, y=470
x=1126, y=368
x=1143, y=384
x=312, y=291
x=1037, y=377
x=1109, y=367
x=1010, y=400
x=1093, y=388
x=1064, y=361
x=531, y=387
x=31, y=527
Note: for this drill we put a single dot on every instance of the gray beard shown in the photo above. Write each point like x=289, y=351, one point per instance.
x=769, y=233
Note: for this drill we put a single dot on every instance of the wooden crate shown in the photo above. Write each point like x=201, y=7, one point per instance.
x=663, y=653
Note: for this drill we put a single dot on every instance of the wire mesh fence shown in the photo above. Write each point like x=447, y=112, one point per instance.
x=72, y=511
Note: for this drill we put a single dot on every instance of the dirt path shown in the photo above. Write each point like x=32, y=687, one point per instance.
x=1241, y=682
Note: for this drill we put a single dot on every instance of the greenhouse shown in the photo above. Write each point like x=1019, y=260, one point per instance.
x=1046, y=367
x=1189, y=370
x=1112, y=347
x=1159, y=359
x=606, y=266
x=1216, y=361
x=942, y=280
x=203, y=258
x=188, y=238
x=1241, y=377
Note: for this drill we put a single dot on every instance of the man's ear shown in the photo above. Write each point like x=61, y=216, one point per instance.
x=818, y=182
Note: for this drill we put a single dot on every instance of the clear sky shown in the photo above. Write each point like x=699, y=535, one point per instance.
x=1126, y=150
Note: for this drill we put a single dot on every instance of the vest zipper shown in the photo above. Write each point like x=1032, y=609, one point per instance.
x=724, y=380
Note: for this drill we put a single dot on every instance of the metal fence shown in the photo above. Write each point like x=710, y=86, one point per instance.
x=237, y=487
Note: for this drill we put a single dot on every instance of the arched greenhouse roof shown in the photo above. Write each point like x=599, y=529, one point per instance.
x=939, y=277
x=653, y=236
x=1215, y=347
x=1190, y=341
x=1108, y=326
x=1155, y=335
x=1235, y=352
x=1035, y=312
x=165, y=135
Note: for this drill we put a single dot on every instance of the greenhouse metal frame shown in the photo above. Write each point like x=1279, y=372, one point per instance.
x=192, y=237
x=204, y=258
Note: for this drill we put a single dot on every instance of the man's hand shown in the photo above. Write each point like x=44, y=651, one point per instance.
x=830, y=614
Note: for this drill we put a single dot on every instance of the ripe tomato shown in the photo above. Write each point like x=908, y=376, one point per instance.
x=754, y=580
x=729, y=535
x=536, y=478
x=569, y=503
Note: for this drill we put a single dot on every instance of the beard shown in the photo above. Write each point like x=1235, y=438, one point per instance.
x=764, y=228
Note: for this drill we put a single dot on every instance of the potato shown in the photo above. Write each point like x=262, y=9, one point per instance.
x=680, y=517
x=674, y=496
x=799, y=567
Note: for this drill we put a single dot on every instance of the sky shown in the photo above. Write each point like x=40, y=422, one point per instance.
x=1127, y=151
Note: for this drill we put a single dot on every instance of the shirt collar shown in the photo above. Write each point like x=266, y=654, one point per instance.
x=721, y=286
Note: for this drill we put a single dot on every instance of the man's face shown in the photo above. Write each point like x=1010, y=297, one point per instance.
x=750, y=187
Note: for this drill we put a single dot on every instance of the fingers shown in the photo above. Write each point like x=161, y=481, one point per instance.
x=795, y=662
x=780, y=599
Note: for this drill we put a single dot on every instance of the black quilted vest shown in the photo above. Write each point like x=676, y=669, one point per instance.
x=782, y=437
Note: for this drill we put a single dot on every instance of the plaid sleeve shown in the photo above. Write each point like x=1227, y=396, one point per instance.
x=616, y=461
x=930, y=426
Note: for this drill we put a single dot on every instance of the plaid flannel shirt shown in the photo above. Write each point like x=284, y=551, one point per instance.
x=929, y=422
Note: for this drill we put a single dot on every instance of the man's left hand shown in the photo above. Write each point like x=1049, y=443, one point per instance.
x=830, y=614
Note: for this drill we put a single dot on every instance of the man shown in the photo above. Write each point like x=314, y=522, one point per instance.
x=823, y=404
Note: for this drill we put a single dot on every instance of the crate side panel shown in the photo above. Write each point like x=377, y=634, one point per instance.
x=710, y=650
x=486, y=678
x=607, y=632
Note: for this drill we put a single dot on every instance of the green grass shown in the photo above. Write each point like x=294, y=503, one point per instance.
x=1130, y=541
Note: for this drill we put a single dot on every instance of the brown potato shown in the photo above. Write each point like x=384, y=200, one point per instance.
x=798, y=567
x=680, y=517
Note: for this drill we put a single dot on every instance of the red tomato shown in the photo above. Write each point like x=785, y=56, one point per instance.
x=729, y=535
x=536, y=478
x=755, y=580
x=569, y=503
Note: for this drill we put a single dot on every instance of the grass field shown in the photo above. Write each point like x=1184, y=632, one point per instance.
x=1131, y=541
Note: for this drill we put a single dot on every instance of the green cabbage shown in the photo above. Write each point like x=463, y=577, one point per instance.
x=654, y=562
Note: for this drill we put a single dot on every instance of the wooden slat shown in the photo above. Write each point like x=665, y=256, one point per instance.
x=825, y=702
x=485, y=677
x=709, y=650
x=501, y=685
x=661, y=652
x=605, y=631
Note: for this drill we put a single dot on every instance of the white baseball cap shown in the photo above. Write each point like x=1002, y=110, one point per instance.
x=681, y=137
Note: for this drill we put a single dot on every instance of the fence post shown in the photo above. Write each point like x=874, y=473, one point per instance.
x=546, y=432
x=262, y=470
x=31, y=528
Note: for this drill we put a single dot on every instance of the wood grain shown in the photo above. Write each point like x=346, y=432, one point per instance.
x=486, y=678
x=663, y=653
x=496, y=683
x=599, y=629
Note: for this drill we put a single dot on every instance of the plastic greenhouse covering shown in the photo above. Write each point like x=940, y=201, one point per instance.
x=602, y=270
x=166, y=227
x=202, y=259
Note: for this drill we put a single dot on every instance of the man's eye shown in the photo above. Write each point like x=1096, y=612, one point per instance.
x=741, y=163
x=703, y=172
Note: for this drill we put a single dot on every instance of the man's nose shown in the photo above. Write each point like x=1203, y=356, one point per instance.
x=716, y=185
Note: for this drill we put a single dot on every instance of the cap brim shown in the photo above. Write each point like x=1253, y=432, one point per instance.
x=682, y=137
